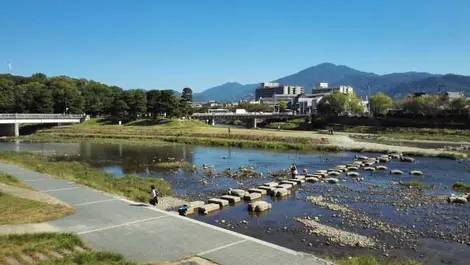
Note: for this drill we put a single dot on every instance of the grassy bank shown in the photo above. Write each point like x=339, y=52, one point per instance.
x=368, y=260
x=415, y=185
x=461, y=186
x=15, y=210
x=28, y=244
x=411, y=133
x=198, y=133
x=12, y=181
x=131, y=186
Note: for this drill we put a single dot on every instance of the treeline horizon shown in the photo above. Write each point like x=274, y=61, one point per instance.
x=62, y=94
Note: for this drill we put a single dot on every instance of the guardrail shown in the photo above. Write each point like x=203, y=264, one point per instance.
x=19, y=116
x=243, y=114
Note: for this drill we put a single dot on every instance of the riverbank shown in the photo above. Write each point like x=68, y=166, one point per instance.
x=131, y=186
x=197, y=133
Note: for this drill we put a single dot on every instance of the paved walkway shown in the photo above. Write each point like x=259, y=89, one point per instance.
x=145, y=234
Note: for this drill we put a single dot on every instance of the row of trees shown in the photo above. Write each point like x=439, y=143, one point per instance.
x=62, y=94
x=338, y=103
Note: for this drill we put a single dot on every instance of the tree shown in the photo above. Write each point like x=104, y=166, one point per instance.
x=136, y=100
x=380, y=104
x=333, y=104
x=423, y=105
x=187, y=95
x=67, y=97
x=282, y=106
x=355, y=105
x=186, y=101
x=7, y=96
x=459, y=104
x=153, y=105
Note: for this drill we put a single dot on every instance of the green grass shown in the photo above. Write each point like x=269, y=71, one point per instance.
x=461, y=186
x=131, y=186
x=13, y=245
x=12, y=181
x=415, y=185
x=172, y=165
x=90, y=258
x=369, y=260
x=15, y=210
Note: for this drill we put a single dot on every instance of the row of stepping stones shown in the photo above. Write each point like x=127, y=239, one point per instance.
x=274, y=189
x=42, y=256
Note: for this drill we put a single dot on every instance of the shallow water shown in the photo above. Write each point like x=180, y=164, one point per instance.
x=378, y=197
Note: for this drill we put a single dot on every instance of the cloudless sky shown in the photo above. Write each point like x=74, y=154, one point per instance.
x=162, y=44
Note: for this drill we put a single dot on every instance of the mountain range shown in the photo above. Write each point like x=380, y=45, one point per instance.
x=396, y=85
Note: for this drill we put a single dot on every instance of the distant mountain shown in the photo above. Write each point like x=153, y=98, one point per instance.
x=232, y=91
x=394, y=84
x=448, y=82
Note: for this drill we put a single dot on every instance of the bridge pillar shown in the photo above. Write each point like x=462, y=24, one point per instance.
x=213, y=122
x=12, y=129
x=251, y=123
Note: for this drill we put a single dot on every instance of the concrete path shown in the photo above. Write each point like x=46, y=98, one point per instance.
x=146, y=234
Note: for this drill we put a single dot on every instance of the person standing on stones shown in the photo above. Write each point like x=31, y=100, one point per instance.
x=294, y=171
x=154, y=196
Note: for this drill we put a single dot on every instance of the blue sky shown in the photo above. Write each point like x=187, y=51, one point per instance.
x=158, y=44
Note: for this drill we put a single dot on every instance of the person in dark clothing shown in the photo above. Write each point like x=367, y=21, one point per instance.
x=293, y=171
x=154, y=196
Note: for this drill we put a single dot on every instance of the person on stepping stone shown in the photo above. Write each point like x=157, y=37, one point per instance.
x=154, y=196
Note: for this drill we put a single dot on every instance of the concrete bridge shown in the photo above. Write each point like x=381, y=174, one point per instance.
x=10, y=123
x=252, y=117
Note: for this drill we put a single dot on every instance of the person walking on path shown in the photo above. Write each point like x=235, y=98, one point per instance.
x=228, y=131
x=154, y=196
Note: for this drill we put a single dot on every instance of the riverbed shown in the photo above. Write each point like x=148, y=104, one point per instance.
x=403, y=222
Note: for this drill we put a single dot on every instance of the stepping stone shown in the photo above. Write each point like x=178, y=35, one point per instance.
x=238, y=192
x=55, y=254
x=381, y=167
x=334, y=173
x=12, y=261
x=252, y=196
x=78, y=249
x=312, y=179
x=300, y=177
x=271, y=184
x=230, y=198
x=41, y=256
x=352, y=174
x=321, y=172
x=332, y=180
x=267, y=188
x=259, y=206
x=293, y=183
x=285, y=186
x=207, y=208
x=369, y=169
x=396, y=172
x=281, y=192
x=263, y=192
x=353, y=169
x=196, y=204
x=220, y=202
x=66, y=251
x=298, y=181
x=27, y=259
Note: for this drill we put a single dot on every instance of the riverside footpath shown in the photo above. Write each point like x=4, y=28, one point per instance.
x=148, y=235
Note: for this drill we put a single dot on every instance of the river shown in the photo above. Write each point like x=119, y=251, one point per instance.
x=406, y=222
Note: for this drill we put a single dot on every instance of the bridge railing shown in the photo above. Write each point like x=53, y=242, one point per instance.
x=24, y=116
x=241, y=114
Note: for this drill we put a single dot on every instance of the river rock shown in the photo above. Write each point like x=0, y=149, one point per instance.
x=332, y=180
x=457, y=199
x=259, y=206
